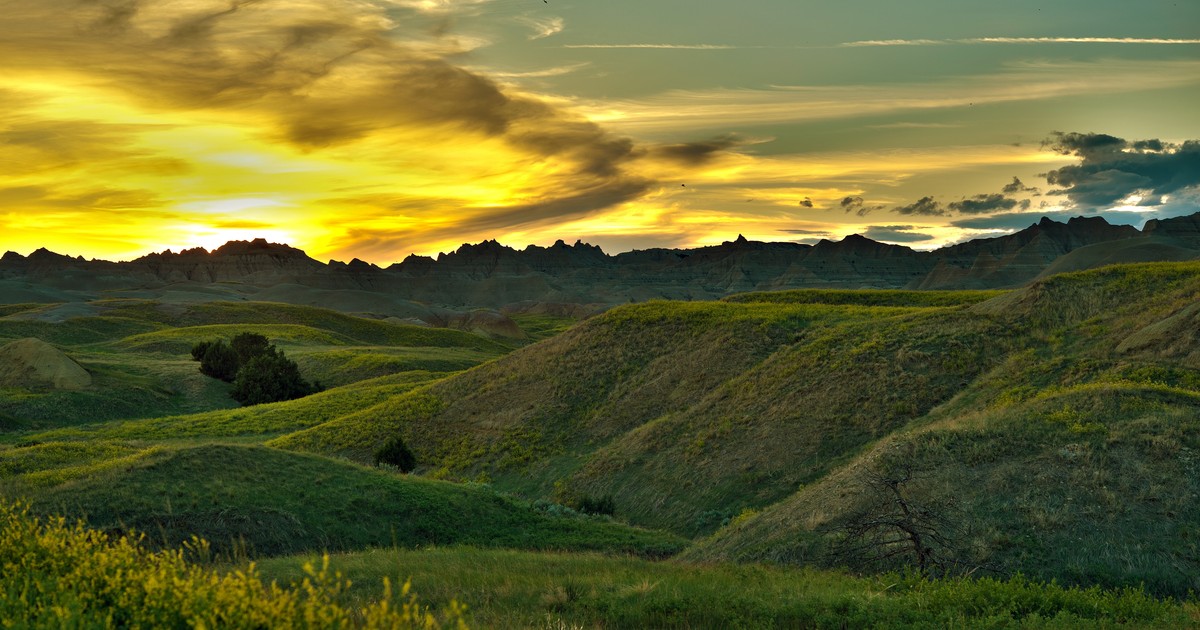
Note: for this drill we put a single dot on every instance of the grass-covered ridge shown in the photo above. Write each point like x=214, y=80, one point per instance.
x=266, y=502
x=1057, y=418
x=137, y=352
x=867, y=297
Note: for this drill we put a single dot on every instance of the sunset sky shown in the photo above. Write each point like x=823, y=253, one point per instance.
x=379, y=128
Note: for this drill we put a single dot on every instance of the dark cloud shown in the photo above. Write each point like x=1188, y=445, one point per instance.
x=819, y=232
x=983, y=204
x=1111, y=168
x=896, y=234
x=925, y=206
x=858, y=206
x=698, y=153
x=326, y=73
x=95, y=198
x=1082, y=144
x=1018, y=186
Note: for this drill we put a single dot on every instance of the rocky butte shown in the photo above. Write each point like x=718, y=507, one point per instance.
x=493, y=275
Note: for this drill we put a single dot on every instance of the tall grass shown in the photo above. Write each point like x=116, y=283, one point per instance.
x=512, y=589
x=55, y=575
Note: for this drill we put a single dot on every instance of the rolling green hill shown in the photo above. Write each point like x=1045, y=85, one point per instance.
x=266, y=502
x=1056, y=423
x=138, y=353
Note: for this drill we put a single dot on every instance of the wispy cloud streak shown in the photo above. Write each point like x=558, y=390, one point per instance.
x=663, y=46
x=1019, y=40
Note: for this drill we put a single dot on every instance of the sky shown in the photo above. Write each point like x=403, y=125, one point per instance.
x=375, y=129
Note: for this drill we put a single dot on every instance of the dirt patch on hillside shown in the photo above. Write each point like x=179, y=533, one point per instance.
x=32, y=362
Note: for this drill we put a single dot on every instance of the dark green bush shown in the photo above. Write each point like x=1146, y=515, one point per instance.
x=199, y=349
x=395, y=452
x=249, y=345
x=219, y=361
x=598, y=505
x=269, y=377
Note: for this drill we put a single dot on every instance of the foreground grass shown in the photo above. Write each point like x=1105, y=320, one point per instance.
x=57, y=576
x=511, y=589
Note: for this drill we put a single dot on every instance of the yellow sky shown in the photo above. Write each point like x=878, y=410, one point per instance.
x=339, y=128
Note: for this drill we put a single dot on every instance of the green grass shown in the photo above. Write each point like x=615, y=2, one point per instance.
x=77, y=331
x=259, y=421
x=179, y=341
x=539, y=327
x=515, y=589
x=267, y=502
x=340, y=366
x=138, y=353
x=867, y=297
x=123, y=386
x=71, y=577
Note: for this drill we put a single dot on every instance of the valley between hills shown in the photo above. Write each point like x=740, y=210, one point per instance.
x=1002, y=433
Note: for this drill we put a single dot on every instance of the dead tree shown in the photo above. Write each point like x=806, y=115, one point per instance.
x=894, y=529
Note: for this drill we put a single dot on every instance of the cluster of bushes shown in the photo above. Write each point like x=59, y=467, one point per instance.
x=259, y=371
x=60, y=576
x=395, y=452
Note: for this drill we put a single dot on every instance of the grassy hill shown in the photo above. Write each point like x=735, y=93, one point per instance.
x=686, y=413
x=1056, y=423
x=138, y=353
x=263, y=501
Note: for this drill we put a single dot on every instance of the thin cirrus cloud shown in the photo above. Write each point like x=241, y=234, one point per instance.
x=543, y=27
x=1020, y=40
x=661, y=46
x=1024, y=81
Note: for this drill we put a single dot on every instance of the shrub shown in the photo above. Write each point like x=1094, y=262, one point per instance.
x=59, y=576
x=249, y=345
x=199, y=349
x=598, y=505
x=395, y=452
x=269, y=377
x=219, y=361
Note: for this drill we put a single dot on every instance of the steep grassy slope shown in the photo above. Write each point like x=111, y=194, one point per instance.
x=265, y=501
x=685, y=412
x=1059, y=420
x=1077, y=459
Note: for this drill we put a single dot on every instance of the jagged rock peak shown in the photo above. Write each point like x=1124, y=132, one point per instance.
x=257, y=246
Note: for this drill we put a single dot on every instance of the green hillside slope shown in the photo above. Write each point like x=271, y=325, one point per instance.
x=1060, y=418
x=266, y=502
x=138, y=354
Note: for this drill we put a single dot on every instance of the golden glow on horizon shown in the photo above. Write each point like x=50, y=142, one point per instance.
x=353, y=130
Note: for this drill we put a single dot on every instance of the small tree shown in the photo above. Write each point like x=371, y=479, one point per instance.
x=269, y=377
x=219, y=361
x=199, y=349
x=894, y=527
x=395, y=452
x=249, y=345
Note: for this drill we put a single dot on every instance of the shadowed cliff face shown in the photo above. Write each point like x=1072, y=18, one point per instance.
x=489, y=274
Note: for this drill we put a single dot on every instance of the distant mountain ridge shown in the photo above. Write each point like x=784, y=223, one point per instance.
x=489, y=274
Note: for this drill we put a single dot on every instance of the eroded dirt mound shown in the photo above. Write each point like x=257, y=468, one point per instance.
x=32, y=362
